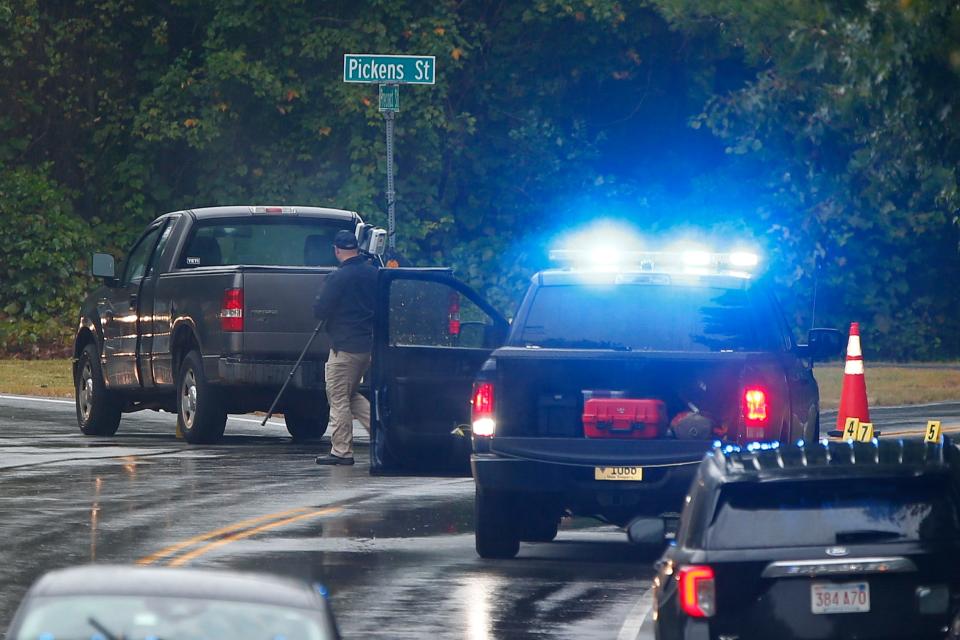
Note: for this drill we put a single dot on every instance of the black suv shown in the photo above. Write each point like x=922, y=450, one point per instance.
x=816, y=540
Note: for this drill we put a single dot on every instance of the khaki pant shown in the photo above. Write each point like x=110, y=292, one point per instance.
x=343, y=372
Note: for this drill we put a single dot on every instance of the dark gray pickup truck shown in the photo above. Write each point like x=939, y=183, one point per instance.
x=206, y=317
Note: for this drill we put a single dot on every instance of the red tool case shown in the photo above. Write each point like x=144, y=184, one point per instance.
x=624, y=418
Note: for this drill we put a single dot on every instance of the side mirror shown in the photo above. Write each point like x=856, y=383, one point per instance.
x=103, y=266
x=823, y=344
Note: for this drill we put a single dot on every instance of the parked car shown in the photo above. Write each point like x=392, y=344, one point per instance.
x=206, y=317
x=140, y=603
x=816, y=540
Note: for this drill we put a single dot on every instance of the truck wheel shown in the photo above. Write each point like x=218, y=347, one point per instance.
x=200, y=412
x=540, y=528
x=307, y=422
x=98, y=410
x=495, y=525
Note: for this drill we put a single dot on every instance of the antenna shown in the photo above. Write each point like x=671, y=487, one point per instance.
x=817, y=263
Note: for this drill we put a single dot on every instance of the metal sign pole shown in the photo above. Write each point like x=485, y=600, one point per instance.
x=391, y=194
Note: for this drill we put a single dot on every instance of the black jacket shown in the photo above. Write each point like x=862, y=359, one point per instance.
x=346, y=302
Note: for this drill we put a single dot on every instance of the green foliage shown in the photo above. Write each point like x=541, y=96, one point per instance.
x=823, y=131
x=848, y=136
x=43, y=248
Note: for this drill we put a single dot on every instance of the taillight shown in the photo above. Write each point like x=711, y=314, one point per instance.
x=231, y=310
x=481, y=409
x=453, y=314
x=756, y=411
x=698, y=593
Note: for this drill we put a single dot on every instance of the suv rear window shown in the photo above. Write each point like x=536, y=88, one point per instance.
x=284, y=242
x=825, y=513
x=649, y=318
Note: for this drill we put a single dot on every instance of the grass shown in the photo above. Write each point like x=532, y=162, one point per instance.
x=50, y=378
x=887, y=384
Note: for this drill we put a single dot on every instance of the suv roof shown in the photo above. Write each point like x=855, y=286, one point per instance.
x=773, y=461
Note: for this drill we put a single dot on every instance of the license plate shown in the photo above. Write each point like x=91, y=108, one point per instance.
x=618, y=473
x=845, y=597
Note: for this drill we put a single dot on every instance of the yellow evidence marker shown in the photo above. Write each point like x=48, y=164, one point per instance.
x=933, y=431
x=865, y=432
x=850, y=428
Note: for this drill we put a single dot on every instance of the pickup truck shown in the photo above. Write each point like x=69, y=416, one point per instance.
x=207, y=316
x=614, y=383
x=599, y=399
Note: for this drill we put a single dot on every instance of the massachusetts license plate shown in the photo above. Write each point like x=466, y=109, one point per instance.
x=618, y=473
x=845, y=597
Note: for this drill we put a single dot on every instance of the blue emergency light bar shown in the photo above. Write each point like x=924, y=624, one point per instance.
x=737, y=263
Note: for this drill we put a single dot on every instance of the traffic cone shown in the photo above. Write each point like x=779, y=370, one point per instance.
x=853, y=396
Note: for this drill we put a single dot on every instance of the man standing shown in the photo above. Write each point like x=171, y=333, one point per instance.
x=346, y=303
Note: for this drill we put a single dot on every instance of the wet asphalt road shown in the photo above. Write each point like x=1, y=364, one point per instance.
x=396, y=553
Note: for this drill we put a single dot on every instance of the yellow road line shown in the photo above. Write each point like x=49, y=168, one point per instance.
x=187, y=557
x=232, y=528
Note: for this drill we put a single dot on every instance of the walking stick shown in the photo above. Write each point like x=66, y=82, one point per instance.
x=293, y=371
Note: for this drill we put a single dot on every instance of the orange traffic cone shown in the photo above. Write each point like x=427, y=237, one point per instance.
x=853, y=396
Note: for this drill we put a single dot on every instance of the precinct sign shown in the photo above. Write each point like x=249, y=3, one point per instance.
x=389, y=69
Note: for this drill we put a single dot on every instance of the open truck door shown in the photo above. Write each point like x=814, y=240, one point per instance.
x=432, y=334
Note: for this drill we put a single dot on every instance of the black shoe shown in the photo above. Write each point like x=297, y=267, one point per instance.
x=331, y=459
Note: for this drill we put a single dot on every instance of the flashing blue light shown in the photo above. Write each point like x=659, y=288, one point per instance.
x=875, y=441
x=322, y=590
x=717, y=443
x=800, y=442
x=775, y=445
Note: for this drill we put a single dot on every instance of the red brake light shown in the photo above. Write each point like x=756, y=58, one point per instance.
x=231, y=310
x=481, y=409
x=698, y=591
x=755, y=408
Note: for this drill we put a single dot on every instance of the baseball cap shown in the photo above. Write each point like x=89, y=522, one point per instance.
x=345, y=240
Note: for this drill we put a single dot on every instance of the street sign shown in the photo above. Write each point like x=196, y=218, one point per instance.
x=389, y=97
x=377, y=69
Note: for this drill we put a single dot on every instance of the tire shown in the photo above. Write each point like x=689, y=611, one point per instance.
x=495, y=529
x=812, y=431
x=201, y=415
x=540, y=528
x=98, y=409
x=307, y=422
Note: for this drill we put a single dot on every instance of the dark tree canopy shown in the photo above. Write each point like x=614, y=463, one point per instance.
x=823, y=132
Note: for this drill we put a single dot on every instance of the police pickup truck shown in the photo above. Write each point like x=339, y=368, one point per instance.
x=207, y=315
x=615, y=381
x=600, y=398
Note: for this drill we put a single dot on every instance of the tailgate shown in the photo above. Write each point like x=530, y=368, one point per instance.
x=278, y=312
x=578, y=451
x=826, y=598
x=541, y=391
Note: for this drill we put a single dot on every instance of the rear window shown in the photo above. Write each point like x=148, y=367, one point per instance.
x=825, y=513
x=649, y=318
x=284, y=242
